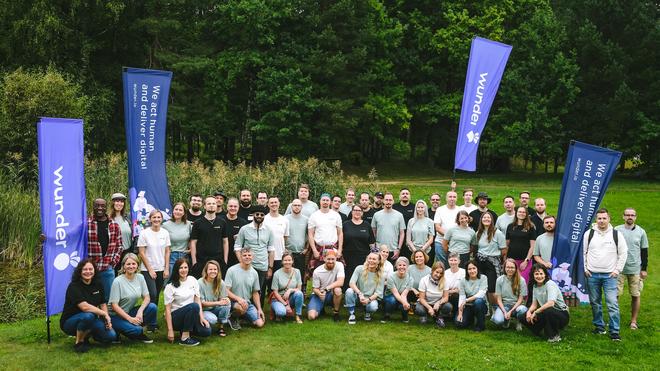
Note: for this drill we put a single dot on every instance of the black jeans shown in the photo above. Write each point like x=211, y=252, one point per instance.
x=299, y=263
x=550, y=320
x=262, y=285
x=155, y=286
x=186, y=319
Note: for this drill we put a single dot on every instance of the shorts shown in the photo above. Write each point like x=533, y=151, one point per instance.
x=316, y=305
x=635, y=284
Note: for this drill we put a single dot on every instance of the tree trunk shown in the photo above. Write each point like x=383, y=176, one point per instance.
x=190, y=148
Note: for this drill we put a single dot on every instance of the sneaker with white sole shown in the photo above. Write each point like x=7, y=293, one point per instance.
x=554, y=339
x=519, y=326
x=143, y=338
x=351, y=319
x=367, y=316
x=189, y=342
x=235, y=324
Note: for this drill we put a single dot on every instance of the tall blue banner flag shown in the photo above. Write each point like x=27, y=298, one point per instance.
x=145, y=109
x=63, y=210
x=587, y=174
x=485, y=68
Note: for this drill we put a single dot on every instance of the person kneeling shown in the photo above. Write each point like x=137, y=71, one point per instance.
x=366, y=285
x=327, y=281
x=434, y=296
x=286, y=290
x=242, y=282
x=472, y=299
x=399, y=283
x=215, y=300
x=548, y=311
x=183, y=307
x=510, y=292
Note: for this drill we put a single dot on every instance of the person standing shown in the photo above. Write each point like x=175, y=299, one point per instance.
x=475, y=215
x=525, y=197
x=435, y=204
x=543, y=244
x=420, y=231
x=378, y=201
x=346, y=207
x=308, y=206
x=520, y=240
x=460, y=239
x=604, y=259
x=262, y=199
x=324, y=231
x=220, y=200
x=179, y=229
x=389, y=226
x=367, y=210
x=279, y=225
x=154, y=251
x=206, y=238
x=468, y=206
x=491, y=246
x=118, y=214
x=404, y=206
x=359, y=241
x=260, y=240
x=233, y=224
x=444, y=220
x=296, y=244
x=104, y=245
x=508, y=216
x=538, y=215
x=194, y=211
x=245, y=209
x=334, y=206
x=635, y=270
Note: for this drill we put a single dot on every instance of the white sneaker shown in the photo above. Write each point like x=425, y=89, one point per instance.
x=518, y=326
x=351, y=319
x=367, y=316
x=554, y=339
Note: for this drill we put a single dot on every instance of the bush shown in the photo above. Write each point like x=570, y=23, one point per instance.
x=19, y=211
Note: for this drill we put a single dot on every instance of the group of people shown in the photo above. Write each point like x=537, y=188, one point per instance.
x=440, y=263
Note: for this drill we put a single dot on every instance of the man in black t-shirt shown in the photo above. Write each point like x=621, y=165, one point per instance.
x=405, y=207
x=220, y=199
x=378, y=201
x=538, y=215
x=475, y=216
x=233, y=224
x=435, y=204
x=206, y=238
x=367, y=210
x=194, y=211
x=245, y=209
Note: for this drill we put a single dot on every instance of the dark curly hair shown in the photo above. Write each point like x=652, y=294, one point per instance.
x=77, y=273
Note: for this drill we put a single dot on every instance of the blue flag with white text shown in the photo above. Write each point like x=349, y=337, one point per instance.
x=485, y=68
x=62, y=204
x=587, y=174
x=145, y=110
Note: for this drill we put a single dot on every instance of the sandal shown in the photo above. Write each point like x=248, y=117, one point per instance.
x=221, y=332
x=633, y=326
x=298, y=320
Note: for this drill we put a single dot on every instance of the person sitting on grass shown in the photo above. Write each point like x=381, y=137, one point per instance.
x=472, y=299
x=215, y=300
x=85, y=312
x=365, y=287
x=399, y=284
x=510, y=292
x=327, y=281
x=434, y=296
x=384, y=252
x=453, y=277
x=548, y=311
x=127, y=290
x=242, y=282
x=287, y=290
x=417, y=271
x=183, y=306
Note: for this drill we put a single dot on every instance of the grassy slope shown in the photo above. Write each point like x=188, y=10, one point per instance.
x=324, y=344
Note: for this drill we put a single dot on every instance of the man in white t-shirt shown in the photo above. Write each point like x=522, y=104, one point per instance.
x=324, y=229
x=279, y=225
x=468, y=206
x=445, y=218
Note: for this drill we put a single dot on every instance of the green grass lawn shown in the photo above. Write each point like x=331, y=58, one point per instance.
x=326, y=345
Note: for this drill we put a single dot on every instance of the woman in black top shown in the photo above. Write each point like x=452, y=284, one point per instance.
x=358, y=241
x=85, y=311
x=520, y=239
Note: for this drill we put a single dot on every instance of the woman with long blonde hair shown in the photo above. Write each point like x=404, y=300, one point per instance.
x=366, y=287
x=213, y=294
x=434, y=296
x=510, y=291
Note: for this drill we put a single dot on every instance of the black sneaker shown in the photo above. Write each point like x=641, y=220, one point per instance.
x=404, y=317
x=598, y=331
x=336, y=317
x=152, y=329
x=189, y=342
x=235, y=324
x=144, y=338
x=81, y=347
x=615, y=337
x=440, y=322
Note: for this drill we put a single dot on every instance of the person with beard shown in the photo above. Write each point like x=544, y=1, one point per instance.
x=378, y=201
x=538, y=215
x=367, y=210
x=296, y=244
x=324, y=231
x=206, y=238
x=245, y=211
x=242, y=283
x=260, y=240
x=404, y=206
x=508, y=216
x=389, y=227
x=543, y=246
x=435, y=204
x=636, y=263
x=233, y=224
x=327, y=281
x=194, y=211
x=358, y=241
x=104, y=244
x=346, y=207
x=475, y=216
x=308, y=206
x=220, y=199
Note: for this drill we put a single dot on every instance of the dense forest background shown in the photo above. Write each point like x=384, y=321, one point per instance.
x=363, y=81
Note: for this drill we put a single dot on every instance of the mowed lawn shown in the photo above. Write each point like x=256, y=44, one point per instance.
x=323, y=344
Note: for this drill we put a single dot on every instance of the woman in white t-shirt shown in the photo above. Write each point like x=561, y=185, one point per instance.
x=452, y=276
x=183, y=306
x=154, y=250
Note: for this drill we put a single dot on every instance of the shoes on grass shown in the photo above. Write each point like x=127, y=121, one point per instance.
x=81, y=347
x=367, y=316
x=554, y=339
x=144, y=338
x=615, y=337
x=189, y=342
x=598, y=331
x=351, y=319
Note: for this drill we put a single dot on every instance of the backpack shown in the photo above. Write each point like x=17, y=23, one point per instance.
x=615, y=236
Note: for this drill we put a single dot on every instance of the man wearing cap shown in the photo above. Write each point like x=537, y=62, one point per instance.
x=104, y=244
x=367, y=210
x=508, y=216
x=468, y=206
x=327, y=281
x=245, y=209
x=475, y=216
x=233, y=224
x=194, y=211
x=206, y=238
x=389, y=227
x=260, y=240
x=445, y=218
x=324, y=231
x=220, y=199
x=635, y=270
x=346, y=207
x=538, y=215
x=308, y=206
x=297, y=241
x=378, y=201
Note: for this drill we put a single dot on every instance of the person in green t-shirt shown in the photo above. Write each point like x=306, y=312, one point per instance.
x=510, y=291
x=213, y=294
x=460, y=239
x=179, y=229
x=472, y=298
x=548, y=312
x=399, y=284
x=366, y=287
x=286, y=291
x=127, y=290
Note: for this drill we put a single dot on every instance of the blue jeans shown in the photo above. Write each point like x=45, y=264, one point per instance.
x=295, y=301
x=85, y=321
x=186, y=319
x=391, y=304
x=498, y=316
x=174, y=256
x=218, y=313
x=352, y=299
x=599, y=283
x=476, y=311
x=130, y=330
x=445, y=310
x=106, y=277
x=440, y=254
x=316, y=305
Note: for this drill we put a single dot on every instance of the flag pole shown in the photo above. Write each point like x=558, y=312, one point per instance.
x=48, y=328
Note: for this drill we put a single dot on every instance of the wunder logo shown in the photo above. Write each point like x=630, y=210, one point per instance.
x=62, y=260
